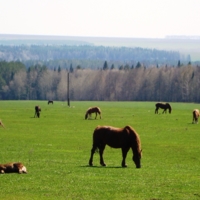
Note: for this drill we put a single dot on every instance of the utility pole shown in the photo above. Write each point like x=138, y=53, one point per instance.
x=68, y=90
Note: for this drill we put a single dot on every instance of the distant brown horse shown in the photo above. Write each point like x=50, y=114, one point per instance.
x=195, y=114
x=91, y=110
x=164, y=106
x=37, y=111
x=124, y=138
x=50, y=101
x=13, y=167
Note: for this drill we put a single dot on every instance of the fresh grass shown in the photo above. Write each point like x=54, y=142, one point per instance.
x=56, y=148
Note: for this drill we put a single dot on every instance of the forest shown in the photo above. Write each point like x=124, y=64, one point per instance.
x=129, y=83
x=88, y=56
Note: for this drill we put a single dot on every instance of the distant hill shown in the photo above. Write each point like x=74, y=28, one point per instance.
x=184, y=45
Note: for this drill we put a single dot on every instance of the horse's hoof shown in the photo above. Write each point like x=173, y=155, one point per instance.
x=103, y=164
x=124, y=165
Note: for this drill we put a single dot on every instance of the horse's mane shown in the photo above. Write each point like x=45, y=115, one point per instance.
x=137, y=138
x=169, y=105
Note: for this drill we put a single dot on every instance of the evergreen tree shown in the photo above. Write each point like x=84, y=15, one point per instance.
x=59, y=69
x=179, y=63
x=138, y=65
x=105, y=66
x=112, y=66
x=71, y=68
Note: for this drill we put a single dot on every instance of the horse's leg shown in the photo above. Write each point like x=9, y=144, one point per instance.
x=156, y=110
x=96, y=115
x=99, y=115
x=124, y=154
x=164, y=111
x=101, y=149
x=92, y=153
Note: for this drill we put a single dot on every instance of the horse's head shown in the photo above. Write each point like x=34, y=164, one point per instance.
x=86, y=115
x=169, y=107
x=136, y=158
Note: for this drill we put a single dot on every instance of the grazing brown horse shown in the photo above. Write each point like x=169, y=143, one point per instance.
x=50, y=101
x=164, y=106
x=195, y=114
x=91, y=110
x=37, y=111
x=124, y=138
x=13, y=167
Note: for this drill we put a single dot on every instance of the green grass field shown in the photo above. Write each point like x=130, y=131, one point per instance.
x=56, y=148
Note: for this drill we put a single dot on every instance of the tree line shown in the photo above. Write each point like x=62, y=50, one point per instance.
x=29, y=54
x=38, y=82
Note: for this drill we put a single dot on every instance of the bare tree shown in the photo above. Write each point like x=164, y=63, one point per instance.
x=18, y=85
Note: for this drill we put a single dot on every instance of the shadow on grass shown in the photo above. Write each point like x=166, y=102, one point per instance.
x=110, y=167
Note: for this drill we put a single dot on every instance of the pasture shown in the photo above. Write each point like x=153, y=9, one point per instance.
x=56, y=147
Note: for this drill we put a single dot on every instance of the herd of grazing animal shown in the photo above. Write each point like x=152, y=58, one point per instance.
x=125, y=138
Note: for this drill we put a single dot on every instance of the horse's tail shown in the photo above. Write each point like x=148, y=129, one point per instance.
x=195, y=115
x=157, y=107
x=86, y=115
x=95, y=140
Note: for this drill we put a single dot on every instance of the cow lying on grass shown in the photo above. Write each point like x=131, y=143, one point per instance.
x=14, y=167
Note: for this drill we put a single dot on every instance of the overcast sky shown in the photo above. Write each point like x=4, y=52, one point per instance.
x=104, y=18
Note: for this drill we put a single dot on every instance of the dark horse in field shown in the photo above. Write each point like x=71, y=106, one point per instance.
x=164, y=106
x=37, y=111
x=13, y=167
x=50, y=101
x=195, y=114
x=124, y=138
x=91, y=110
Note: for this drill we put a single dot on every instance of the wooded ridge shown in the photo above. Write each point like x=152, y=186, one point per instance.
x=164, y=83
